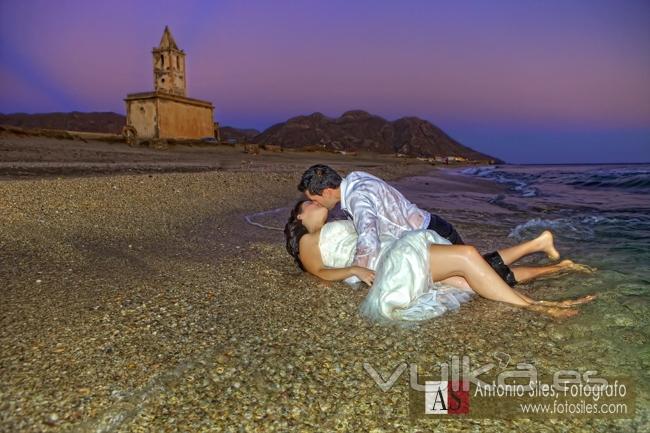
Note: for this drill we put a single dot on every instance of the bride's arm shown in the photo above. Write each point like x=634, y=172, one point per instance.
x=313, y=263
x=340, y=274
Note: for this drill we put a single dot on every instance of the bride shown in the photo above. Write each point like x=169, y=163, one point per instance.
x=420, y=275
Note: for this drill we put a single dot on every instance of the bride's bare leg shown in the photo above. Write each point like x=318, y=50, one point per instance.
x=527, y=273
x=446, y=261
x=458, y=282
x=542, y=243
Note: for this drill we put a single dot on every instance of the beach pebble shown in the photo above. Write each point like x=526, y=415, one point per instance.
x=52, y=419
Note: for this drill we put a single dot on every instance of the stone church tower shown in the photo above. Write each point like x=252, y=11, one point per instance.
x=167, y=112
x=169, y=66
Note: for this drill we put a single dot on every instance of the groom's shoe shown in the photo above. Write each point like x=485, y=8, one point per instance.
x=495, y=261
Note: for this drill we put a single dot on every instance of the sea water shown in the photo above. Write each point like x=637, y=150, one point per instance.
x=600, y=216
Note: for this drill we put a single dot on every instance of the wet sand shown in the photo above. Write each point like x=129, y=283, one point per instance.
x=145, y=302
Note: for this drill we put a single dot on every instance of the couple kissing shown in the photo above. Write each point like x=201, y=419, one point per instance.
x=416, y=263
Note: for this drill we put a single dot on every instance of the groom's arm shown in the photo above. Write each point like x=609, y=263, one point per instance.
x=365, y=222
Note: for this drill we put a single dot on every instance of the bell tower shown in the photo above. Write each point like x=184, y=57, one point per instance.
x=169, y=66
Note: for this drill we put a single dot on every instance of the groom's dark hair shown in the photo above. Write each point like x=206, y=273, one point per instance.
x=317, y=178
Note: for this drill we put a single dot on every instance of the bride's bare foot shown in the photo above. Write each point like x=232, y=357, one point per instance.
x=578, y=267
x=578, y=301
x=561, y=313
x=567, y=303
x=547, y=245
x=555, y=312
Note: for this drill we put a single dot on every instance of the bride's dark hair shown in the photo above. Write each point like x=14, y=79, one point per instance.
x=293, y=231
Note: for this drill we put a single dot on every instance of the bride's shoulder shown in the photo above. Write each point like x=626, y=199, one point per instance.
x=308, y=240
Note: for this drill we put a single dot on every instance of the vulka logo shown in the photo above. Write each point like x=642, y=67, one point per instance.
x=462, y=374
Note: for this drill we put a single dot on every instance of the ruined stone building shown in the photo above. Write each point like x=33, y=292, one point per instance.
x=167, y=112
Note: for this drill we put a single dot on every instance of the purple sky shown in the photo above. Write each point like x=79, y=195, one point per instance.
x=527, y=81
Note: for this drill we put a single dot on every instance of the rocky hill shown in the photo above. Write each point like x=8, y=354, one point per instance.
x=359, y=130
x=229, y=133
x=74, y=121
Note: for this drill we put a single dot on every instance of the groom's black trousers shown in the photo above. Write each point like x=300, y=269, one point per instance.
x=447, y=231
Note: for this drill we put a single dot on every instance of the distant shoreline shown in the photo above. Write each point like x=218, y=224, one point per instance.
x=30, y=156
x=573, y=163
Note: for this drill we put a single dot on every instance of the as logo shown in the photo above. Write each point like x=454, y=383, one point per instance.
x=441, y=399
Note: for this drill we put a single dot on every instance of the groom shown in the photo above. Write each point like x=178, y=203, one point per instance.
x=376, y=208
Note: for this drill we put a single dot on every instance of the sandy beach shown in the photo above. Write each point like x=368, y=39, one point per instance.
x=137, y=298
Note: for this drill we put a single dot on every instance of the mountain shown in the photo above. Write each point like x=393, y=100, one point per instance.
x=75, y=121
x=360, y=130
x=237, y=135
x=108, y=122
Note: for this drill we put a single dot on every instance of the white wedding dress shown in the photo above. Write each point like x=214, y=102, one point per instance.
x=403, y=289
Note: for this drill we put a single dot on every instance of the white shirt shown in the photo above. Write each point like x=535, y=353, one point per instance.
x=376, y=208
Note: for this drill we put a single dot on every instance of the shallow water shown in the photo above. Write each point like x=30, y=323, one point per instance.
x=600, y=216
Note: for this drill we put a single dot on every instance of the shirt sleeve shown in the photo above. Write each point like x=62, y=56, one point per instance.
x=364, y=216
